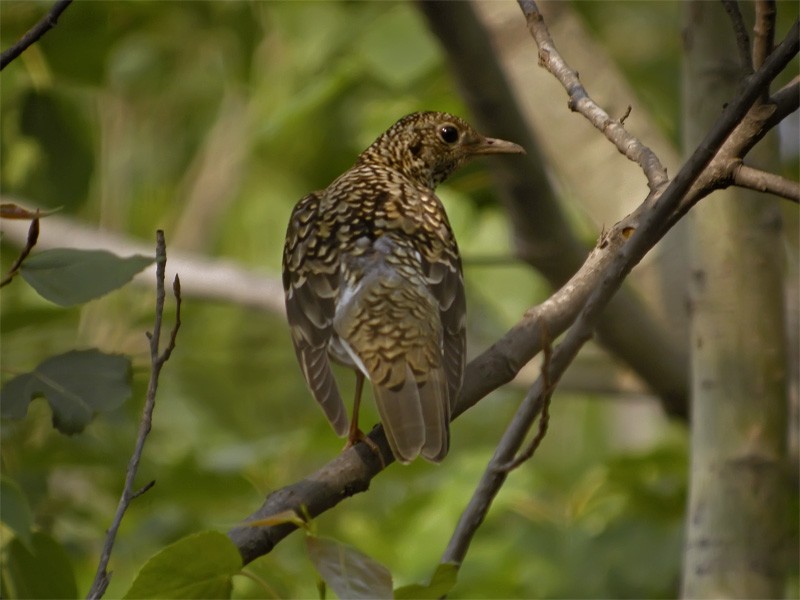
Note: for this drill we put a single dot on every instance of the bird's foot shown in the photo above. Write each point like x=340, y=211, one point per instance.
x=355, y=436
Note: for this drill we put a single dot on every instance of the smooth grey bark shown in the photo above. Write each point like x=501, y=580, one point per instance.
x=737, y=524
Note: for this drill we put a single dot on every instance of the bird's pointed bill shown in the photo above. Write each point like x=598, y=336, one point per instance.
x=497, y=146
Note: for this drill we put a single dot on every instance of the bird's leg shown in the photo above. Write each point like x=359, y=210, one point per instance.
x=355, y=435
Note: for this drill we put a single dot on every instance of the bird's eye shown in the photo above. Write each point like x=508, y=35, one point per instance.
x=449, y=134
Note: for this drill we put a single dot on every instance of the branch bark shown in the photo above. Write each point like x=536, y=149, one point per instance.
x=45, y=24
x=762, y=181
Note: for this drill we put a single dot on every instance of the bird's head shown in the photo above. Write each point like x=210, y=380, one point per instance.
x=428, y=146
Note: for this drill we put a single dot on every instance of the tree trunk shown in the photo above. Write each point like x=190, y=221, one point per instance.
x=737, y=525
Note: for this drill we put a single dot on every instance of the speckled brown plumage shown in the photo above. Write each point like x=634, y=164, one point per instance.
x=373, y=279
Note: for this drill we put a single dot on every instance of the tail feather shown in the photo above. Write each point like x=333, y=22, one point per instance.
x=436, y=414
x=416, y=417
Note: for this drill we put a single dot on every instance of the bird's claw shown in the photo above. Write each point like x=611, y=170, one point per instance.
x=359, y=436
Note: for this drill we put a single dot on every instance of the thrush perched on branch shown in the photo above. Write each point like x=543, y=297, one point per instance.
x=373, y=279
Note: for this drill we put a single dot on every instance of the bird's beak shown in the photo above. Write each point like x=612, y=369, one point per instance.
x=495, y=146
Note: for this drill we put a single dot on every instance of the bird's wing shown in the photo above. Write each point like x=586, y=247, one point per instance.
x=446, y=282
x=310, y=281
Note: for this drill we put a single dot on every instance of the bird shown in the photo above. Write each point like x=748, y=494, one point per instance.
x=373, y=280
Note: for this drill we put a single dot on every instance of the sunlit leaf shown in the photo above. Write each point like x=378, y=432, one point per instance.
x=77, y=385
x=68, y=276
x=43, y=572
x=347, y=571
x=197, y=566
x=443, y=580
x=15, y=511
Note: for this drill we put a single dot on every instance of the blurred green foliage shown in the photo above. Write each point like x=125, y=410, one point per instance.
x=209, y=120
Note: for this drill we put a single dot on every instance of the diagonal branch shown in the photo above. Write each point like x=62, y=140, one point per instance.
x=581, y=102
x=786, y=101
x=45, y=24
x=651, y=216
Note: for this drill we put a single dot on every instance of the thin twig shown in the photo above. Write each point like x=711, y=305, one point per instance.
x=762, y=181
x=45, y=24
x=544, y=416
x=581, y=102
x=102, y=577
x=33, y=236
x=764, y=32
x=786, y=101
x=742, y=39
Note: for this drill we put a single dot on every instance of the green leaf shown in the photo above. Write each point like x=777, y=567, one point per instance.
x=443, y=580
x=44, y=572
x=197, y=566
x=15, y=511
x=77, y=385
x=68, y=276
x=349, y=572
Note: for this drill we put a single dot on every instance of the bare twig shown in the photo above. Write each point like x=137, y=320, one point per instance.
x=496, y=472
x=33, y=236
x=786, y=101
x=764, y=32
x=157, y=361
x=544, y=416
x=740, y=31
x=762, y=181
x=580, y=101
x=44, y=25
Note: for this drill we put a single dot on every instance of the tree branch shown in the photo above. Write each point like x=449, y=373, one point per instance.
x=786, y=101
x=756, y=123
x=764, y=30
x=157, y=360
x=45, y=24
x=581, y=102
x=762, y=181
x=740, y=31
x=651, y=216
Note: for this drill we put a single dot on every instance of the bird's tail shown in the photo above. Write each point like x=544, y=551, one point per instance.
x=415, y=414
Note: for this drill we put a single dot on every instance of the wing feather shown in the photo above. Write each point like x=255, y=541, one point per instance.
x=310, y=280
